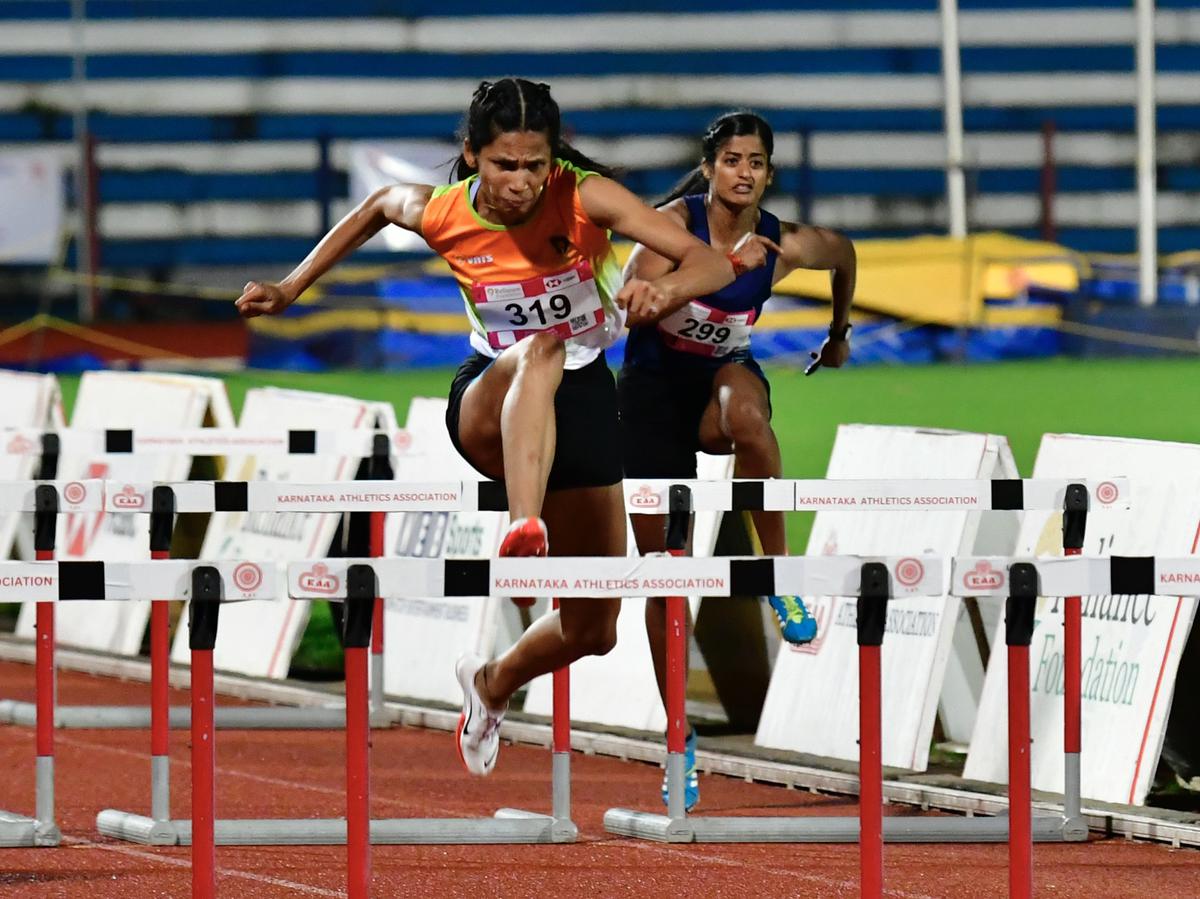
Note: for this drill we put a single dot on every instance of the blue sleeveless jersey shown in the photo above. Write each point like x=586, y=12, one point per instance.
x=645, y=347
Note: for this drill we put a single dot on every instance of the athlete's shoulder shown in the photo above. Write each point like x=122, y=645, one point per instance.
x=441, y=206
x=567, y=170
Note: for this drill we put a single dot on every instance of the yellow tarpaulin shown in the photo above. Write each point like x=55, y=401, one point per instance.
x=939, y=280
x=943, y=280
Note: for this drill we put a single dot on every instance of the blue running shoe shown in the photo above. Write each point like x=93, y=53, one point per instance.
x=691, y=779
x=795, y=624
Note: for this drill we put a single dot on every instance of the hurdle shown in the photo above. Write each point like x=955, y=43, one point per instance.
x=870, y=828
x=47, y=582
x=373, y=446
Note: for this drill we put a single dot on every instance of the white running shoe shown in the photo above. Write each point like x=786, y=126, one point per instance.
x=478, y=732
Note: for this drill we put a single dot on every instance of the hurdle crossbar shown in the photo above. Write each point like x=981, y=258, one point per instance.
x=642, y=497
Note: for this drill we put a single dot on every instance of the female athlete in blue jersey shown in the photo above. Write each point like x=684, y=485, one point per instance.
x=690, y=382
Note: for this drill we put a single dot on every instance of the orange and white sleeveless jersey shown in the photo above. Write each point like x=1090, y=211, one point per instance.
x=555, y=272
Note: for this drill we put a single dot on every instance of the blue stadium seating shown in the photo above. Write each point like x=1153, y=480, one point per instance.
x=1099, y=120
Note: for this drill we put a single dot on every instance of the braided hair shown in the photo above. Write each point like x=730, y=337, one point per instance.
x=516, y=104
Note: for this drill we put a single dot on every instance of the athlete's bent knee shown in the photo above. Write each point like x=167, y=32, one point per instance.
x=748, y=425
x=597, y=638
x=542, y=349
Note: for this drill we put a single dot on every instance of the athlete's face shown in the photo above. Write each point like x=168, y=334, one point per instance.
x=741, y=171
x=513, y=169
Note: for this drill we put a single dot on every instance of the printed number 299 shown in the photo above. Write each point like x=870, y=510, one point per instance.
x=704, y=331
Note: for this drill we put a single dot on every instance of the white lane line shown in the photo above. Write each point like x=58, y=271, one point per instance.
x=227, y=771
x=186, y=863
x=790, y=873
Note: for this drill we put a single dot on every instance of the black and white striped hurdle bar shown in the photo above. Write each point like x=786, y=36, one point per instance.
x=361, y=442
x=641, y=497
x=593, y=576
x=232, y=580
x=1080, y=575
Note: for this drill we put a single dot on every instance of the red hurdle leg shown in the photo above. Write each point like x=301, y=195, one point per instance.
x=872, y=620
x=1019, y=612
x=360, y=604
x=44, y=676
x=358, y=805
x=204, y=609
x=162, y=524
x=1074, y=529
x=870, y=771
x=678, y=520
x=204, y=788
x=45, y=529
x=560, y=761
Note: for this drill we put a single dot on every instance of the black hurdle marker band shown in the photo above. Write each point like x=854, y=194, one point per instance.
x=1021, y=604
x=302, y=442
x=379, y=467
x=467, y=577
x=747, y=496
x=874, y=588
x=1008, y=494
x=48, y=464
x=361, y=591
x=493, y=496
x=45, y=516
x=162, y=518
x=80, y=580
x=204, y=608
x=118, y=440
x=752, y=577
x=230, y=496
x=1132, y=575
x=679, y=516
x=1075, y=509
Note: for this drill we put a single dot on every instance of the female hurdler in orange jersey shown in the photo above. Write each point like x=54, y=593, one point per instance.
x=525, y=232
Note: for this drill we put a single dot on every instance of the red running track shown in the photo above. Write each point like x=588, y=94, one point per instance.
x=415, y=773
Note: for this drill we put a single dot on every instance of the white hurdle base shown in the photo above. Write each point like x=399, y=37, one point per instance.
x=508, y=826
x=115, y=717
x=816, y=829
x=17, y=831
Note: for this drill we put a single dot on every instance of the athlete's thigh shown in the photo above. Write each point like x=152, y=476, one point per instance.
x=733, y=384
x=479, y=415
x=586, y=521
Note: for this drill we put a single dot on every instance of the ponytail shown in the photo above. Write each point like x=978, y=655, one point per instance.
x=693, y=182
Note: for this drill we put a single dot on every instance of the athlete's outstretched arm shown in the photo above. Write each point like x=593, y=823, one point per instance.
x=646, y=265
x=399, y=204
x=698, y=268
x=807, y=246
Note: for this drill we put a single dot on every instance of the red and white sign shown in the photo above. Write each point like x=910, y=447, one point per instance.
x=983, y=577
x=925, y=666
x=1131, y=645
x=318, y=580
x=645, y=497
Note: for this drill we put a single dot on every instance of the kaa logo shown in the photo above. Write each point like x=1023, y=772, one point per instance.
x=319, y=580
x=645, y=498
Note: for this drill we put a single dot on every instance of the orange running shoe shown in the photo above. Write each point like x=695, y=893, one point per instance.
x=525, y=537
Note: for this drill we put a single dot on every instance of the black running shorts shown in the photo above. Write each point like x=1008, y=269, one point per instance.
x=660, y=417
x=587, y=452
